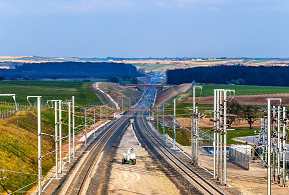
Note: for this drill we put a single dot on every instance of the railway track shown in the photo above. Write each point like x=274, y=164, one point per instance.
x=78, y=183
x=192, y=176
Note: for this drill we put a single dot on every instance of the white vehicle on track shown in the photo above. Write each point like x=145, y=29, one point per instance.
x=129, y=157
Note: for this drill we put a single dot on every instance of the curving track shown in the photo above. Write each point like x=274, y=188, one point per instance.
x=86, y=177
x=78, y=183
x=192, y=176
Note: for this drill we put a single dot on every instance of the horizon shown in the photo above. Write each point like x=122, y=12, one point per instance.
x=184, y=57
x=141, y=29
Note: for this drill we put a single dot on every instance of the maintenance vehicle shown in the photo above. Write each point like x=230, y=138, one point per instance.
x=129, y=157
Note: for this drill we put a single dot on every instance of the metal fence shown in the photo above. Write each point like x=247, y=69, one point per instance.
x=239, y=158
x=9, y=108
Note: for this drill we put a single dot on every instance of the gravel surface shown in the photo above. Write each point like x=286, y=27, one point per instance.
x=143, y=178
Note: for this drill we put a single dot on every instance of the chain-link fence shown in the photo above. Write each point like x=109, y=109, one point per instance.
x=239, y=158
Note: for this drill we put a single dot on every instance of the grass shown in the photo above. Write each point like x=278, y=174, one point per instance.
x=152, y=66
x=182, y=136
x=257, y=61
x=182, y=109
x=238, y=132
x=27, y=125
x=208, y=90
x=49, y=90
x=99, y=80
x=28, y=145
x=217, y=60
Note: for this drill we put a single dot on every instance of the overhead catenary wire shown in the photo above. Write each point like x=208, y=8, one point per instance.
x=79, y=129
x=21, y=189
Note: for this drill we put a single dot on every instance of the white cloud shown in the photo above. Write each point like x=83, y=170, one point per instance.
x=214, y=9
x=163, y=5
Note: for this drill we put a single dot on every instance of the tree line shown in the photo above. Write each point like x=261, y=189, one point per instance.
x=243, y=75
x=70, y=70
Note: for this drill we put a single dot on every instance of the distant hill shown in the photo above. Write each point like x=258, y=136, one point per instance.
x=70, y=70
x=243, y=75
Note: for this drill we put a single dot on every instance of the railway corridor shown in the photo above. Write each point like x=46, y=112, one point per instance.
x=101, y=171
x=143, y=178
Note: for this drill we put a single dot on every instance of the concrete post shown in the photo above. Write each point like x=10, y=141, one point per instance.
x=85, y=132
x=39, y=143
x=278, y=142
x=225, y=137
x=60, y=134
x=284, y=146
x=164, y=121
x=94, y=122
x=221, y=133
x=158, y=118
x=215, y=128
x=100, y=117
x=218, y=133
x=174, y=139
x=73, y=126
x=56, y=139
x=196, y=135
x=69, y=132
x=269, y=147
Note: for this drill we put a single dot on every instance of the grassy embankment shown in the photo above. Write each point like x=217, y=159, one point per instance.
x=27, y=126
x=182, y=109
x=9, y=148
x=208, y=90
x=49, y=90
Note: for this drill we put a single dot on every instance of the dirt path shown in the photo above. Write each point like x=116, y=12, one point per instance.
x=207, y=123
x=142, y=178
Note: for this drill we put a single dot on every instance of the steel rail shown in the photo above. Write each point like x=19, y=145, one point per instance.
x=186, y=170
x=104, y=138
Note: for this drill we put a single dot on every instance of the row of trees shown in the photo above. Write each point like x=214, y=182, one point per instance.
x=249, y=75
x=52, y=70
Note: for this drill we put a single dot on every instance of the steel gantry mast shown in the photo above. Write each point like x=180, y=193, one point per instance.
x=39, y=142
x=195, y=127
x=220, y=134
x=269, y=141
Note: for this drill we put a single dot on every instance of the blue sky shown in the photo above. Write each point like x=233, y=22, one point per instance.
x=145, y=28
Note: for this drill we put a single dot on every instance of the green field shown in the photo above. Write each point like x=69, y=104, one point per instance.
x=182, y=109
x=257, y=61
x=208, y=90
x=217, y=60
x=238, y=132
x=152, y=66
x=49, y=90
x=183, y=136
